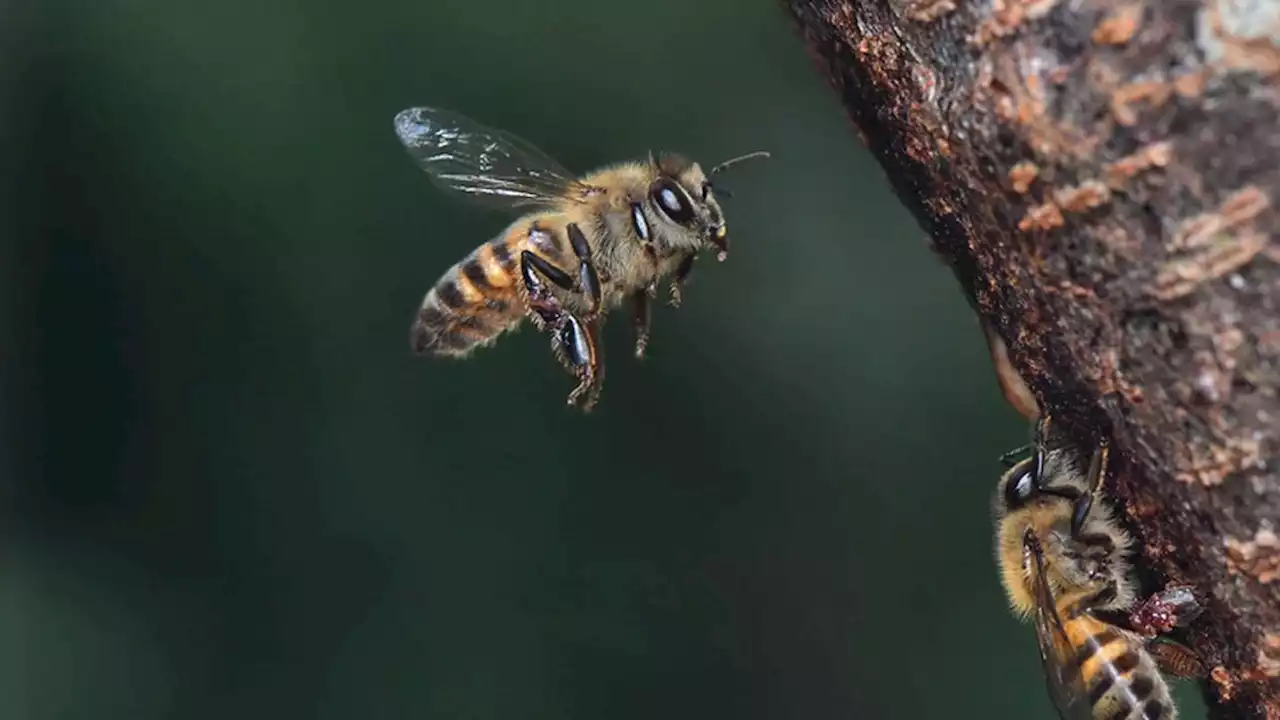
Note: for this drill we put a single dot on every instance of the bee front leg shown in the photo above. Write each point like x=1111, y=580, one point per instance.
x=640, y=317
x=682, y=275
x=1084, y=504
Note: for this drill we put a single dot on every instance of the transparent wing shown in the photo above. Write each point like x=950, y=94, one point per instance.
x=490, y=166
x=1066, y=688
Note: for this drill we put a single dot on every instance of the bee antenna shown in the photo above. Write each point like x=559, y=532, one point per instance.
x=721, y=190
x=734, y=161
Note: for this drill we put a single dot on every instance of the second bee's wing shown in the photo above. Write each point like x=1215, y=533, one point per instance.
x=1061, y=673
x=491, y=166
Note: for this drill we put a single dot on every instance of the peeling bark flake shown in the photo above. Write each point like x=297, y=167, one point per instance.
x=1042, y=217
x=1152, y=155
x=926, y=11
x=1119, y=27
x=1225, y=254
x=1258, y=558
x=1022, y=175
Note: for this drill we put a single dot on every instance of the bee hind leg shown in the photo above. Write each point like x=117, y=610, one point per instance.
x=1175, y=606
x=575, y=344
x=573, y=340
x=1176, y=659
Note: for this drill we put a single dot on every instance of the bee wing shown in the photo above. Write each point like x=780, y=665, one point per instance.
x=489, y=166
x=1061, y=672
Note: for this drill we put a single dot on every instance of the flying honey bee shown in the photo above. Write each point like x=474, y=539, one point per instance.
x=585, y=245
x=1063, y=559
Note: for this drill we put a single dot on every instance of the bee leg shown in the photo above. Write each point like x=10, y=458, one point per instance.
x=575, y=344
x=545, y=308
x=1176, y=659
x=1175, y=606
x=573, y=341
x=1040, y=439
x=1097, y=470
x=588, y=279
x=682, y=275
x=640, y=317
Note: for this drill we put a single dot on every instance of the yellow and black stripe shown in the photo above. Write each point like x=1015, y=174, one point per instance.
x=471, y=304
x=476, y=300
x=1121, y=679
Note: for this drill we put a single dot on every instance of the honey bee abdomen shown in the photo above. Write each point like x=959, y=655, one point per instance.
x=470, y=305
x=1121, y=678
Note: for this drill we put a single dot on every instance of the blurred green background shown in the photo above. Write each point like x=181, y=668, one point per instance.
x=235, y=493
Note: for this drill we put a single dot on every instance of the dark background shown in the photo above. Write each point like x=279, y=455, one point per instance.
x=234, y=493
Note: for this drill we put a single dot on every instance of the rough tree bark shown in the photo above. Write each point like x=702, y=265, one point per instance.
x=1103, y=178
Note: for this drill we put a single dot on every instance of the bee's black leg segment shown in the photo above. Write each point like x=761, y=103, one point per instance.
x=588, y=279
x=640, y=318
x=1097, y=470
x=572, y=340
x=575, y=343
x=533, y=265
x=1080, y=513
x=546, y=308
x=530, y=262
x=1119, y=618
x=682, y=276
x=1041, y=440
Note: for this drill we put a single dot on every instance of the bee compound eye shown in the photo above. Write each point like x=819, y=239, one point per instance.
x=672, y=200
x=1024, y=485
x=638, y=222
x=1021, y=485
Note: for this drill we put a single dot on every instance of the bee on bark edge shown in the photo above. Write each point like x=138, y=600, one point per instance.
x=1064, y=561
x=586, y=244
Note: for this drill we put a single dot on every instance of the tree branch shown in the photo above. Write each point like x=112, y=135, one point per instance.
x=1103, y=179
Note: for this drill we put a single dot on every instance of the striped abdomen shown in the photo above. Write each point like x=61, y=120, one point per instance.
x=476, y=300
x=1119, y=675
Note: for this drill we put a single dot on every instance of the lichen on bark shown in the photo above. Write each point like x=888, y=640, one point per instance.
x=1103, y=178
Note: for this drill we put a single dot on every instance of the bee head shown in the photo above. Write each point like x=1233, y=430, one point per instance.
x=683, y=195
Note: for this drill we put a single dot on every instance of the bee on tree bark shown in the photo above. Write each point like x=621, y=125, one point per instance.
x=587, y=243
x=1064, y=560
